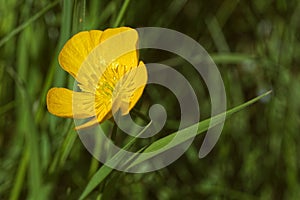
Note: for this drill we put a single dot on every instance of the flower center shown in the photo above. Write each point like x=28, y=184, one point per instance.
x=114, y=85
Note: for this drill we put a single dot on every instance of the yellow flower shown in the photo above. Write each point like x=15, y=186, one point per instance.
x=105, y=66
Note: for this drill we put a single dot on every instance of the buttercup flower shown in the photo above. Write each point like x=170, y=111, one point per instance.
x=105, y=66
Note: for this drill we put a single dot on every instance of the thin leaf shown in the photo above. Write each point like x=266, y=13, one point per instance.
x=185, y=134
x=121, y=13
x=104, y=171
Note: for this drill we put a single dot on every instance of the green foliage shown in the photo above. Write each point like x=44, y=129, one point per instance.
x=254, y=44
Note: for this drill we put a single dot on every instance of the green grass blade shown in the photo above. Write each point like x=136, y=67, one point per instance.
x=185, y=134
x=217, y=35
x=64, y=148
x=121, y=13
x=5, y=108
x=55, y=75
x=104, y=171
x=173, y=10
x=106, y=11
x=67, y=146
x=20, y=176
x=27, y=23
x=231, y=58
x=218, y=58
x=99, y=176
x=79, y=16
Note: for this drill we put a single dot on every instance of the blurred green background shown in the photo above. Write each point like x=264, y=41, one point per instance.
x=255, y=45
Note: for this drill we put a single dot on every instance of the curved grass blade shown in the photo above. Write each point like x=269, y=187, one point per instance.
x=104, y=171
x=184, y=134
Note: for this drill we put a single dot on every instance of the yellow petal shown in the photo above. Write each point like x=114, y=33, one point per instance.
x=120, y=45
x=102, y=112
x=117, y=48
x=90, y=123
x=67, y=103
x=93, y=121
x=129, y=89
x=140, y=82
x=77, y=49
